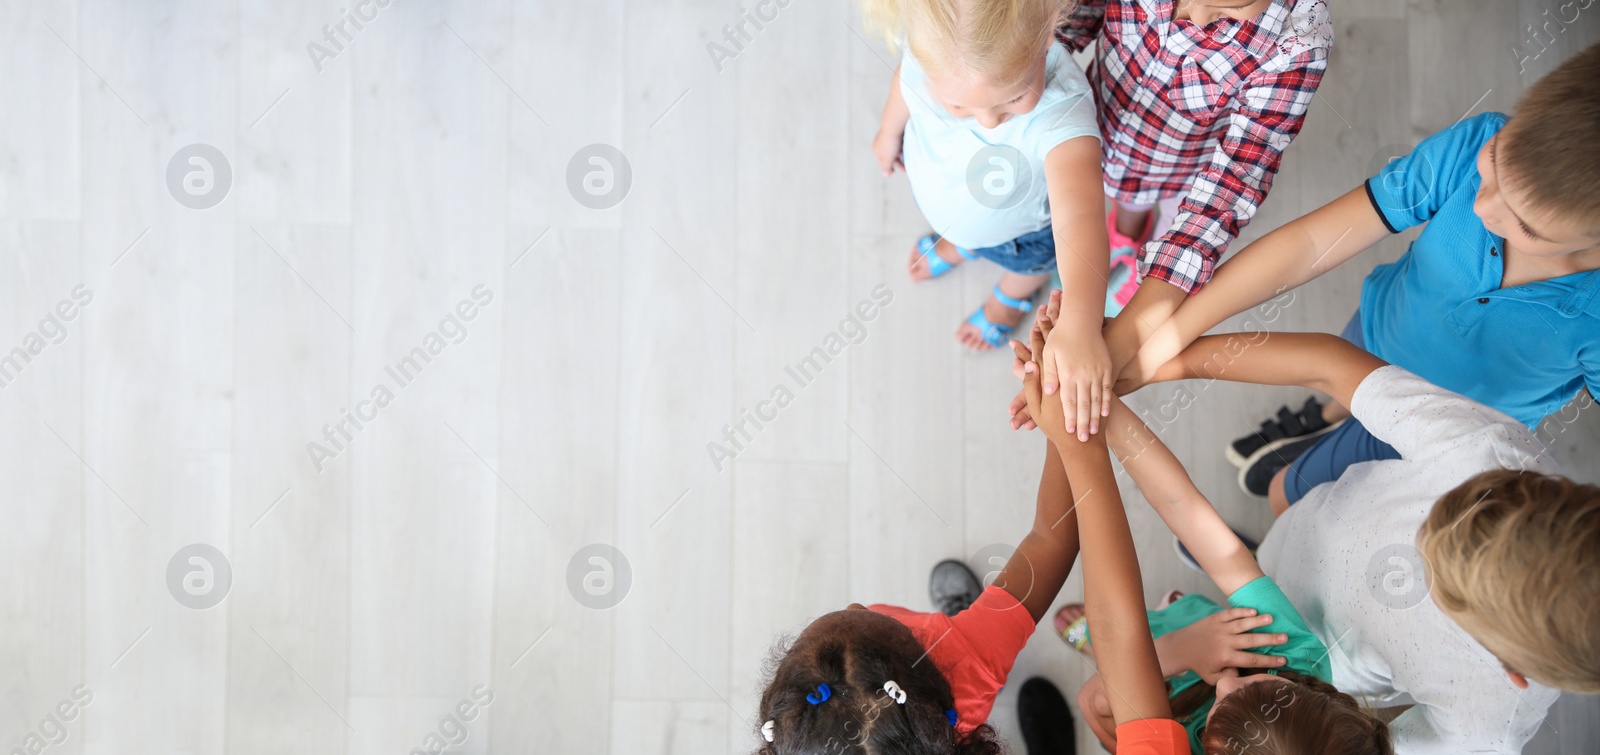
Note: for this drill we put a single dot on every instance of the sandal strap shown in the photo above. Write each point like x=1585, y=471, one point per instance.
x=994, y=333
x=937, y=265
x=1022, y=305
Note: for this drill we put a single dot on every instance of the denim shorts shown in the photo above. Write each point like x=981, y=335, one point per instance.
x=1028, y=254
x=1333, y=453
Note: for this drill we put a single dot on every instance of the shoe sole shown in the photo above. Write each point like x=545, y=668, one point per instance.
x=1271, y=448
x=1244, y=462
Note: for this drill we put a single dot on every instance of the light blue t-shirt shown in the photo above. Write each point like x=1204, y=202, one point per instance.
x=981, y=187
x=1439, y=310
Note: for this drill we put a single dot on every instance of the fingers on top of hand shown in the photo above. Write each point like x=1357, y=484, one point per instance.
x=1021, y=351
x=1256, y=660
x=1085, y=407
x=1097, y=406
x=1234, y=614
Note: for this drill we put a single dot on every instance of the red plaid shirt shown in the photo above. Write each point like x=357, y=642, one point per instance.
x=1203, y=110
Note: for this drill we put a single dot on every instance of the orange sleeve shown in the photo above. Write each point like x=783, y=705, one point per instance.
x=997, y=627
x=1152, y=736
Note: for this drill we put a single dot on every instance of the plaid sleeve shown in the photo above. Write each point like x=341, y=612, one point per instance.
x=1083, y=25
x=1267, y=115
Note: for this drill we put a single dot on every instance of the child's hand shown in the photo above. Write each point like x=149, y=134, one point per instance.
x=886, y=146
x=1045, y=316
x=1046, y=412
x=1135, y=375
x=1217, y=644
x=1077, y=367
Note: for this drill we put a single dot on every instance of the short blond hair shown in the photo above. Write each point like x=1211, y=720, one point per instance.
x=1514, y=558
x=996, y=39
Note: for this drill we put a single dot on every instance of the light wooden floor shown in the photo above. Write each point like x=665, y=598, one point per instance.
x=428, y=560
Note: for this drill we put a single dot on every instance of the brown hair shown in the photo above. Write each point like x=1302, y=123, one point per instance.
x=1514, y=558
x=859, y=718
x=1304, y=715
x=1551, y=147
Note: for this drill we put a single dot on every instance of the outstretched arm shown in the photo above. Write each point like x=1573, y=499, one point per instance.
x=1276, y=263
x=1076, y=363
x=1113, y=588
x=1167, y=487
x=1318, y=361
x=1036, y=572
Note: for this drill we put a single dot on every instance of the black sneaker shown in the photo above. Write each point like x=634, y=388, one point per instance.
x=1288, y=427
x=1045, y=720
x=1256, y=478
x=953, y=587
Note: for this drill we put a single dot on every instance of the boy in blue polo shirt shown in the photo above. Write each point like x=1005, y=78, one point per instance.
x=1498, y=299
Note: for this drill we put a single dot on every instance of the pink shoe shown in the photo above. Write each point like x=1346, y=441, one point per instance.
x=1124, y=278
x=1125, y=244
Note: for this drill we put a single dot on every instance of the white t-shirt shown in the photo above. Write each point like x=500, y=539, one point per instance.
x=982, y=187
x=1345, y=556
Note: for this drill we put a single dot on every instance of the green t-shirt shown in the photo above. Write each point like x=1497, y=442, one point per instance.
x=1303, y=653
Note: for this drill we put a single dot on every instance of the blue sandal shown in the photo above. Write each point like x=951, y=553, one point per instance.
x=937, y=265
x=995, y=335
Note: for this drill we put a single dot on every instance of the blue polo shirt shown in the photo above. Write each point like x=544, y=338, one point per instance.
x=1439, y=310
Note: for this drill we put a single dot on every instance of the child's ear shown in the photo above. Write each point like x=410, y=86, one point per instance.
x=1517, y=680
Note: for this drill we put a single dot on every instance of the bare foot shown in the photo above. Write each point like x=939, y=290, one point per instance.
x=999, y=314
x=918, y=264
x=1068, y=614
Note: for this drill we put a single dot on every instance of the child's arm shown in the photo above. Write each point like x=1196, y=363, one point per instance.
x=1279, y=261
x=1208, y=646
x=1318, y=361
x=1185, y=510
x=1039, y=568
x=886, y=146
x=1044, y=558
x=1076, y=361
x=1114, y=592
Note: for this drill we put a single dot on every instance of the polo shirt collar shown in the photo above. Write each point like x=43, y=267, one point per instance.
x=1585, y=297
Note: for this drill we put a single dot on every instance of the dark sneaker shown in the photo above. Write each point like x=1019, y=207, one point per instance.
x=953, y=587
x=1045, y=720
x=1287, y=427
x=1188, y=558
x=1257, y=477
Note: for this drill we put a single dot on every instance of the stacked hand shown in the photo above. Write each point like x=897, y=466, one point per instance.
x=1043, y=411
x=1083, y=398
x=1077, y=370
x=1218, y=645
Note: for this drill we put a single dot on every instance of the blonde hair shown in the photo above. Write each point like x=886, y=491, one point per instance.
x=1514, y=558
x=997, y=39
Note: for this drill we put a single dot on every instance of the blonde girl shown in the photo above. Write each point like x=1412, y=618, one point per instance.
x=994, y=125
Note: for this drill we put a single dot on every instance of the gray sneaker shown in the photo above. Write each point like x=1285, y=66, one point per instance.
x=953, y=587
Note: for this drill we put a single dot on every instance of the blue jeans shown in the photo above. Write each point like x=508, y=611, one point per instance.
x=1028, y=254
x=1348, y=444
